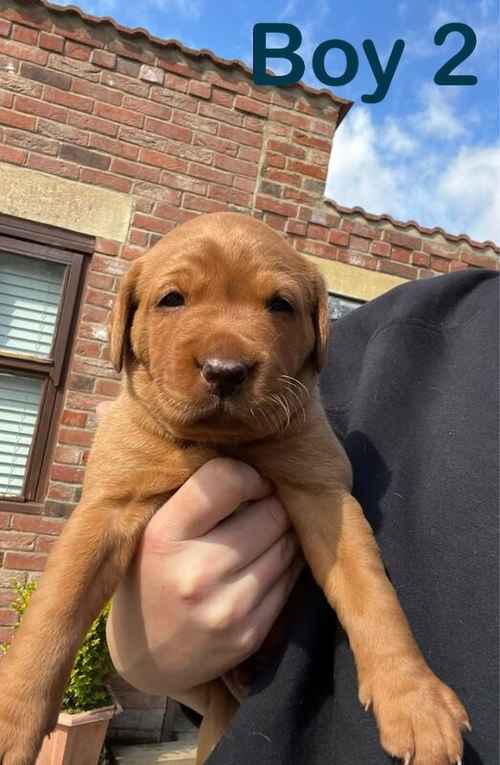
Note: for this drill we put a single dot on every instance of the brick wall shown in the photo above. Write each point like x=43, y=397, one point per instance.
x=182, y=133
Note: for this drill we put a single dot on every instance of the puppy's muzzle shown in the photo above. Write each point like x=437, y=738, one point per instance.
x=225, y=376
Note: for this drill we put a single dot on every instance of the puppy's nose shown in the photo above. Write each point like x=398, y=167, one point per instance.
x=225, y=375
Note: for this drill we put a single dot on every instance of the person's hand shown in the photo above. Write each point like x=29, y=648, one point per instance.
x=207, y=582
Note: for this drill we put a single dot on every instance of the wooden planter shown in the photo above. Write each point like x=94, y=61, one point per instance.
x=77, y=739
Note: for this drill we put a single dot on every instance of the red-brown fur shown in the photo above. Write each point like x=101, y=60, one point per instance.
x=165, y=424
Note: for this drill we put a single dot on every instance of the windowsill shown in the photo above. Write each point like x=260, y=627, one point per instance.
x=30, y=508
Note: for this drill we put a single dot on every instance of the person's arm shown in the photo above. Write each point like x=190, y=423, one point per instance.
x=206, y=584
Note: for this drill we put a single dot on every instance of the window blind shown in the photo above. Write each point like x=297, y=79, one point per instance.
x=30, y=293
x=19, y=404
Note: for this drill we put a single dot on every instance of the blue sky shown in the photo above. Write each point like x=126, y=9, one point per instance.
x=426, y=152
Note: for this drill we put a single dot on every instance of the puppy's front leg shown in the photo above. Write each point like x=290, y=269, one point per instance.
x=419, y=718
x=92, y=554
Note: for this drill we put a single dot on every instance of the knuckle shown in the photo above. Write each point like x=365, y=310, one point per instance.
x=276, y=511
x=193, y=586
x=233, y=475
x=222, y=619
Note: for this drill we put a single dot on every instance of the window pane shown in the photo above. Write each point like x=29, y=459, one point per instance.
x=340, y=306
x=19, y=404
x=30, y=293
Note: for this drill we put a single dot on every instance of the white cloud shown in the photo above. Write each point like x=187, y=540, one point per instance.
x=455, y=187
x=438, y=116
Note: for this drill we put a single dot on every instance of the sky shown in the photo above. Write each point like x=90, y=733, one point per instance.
x=426, y=152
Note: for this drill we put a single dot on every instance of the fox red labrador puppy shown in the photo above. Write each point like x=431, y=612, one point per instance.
x=221, y=329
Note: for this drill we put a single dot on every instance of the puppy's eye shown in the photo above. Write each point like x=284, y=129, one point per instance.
x=278, y=304
x=172, y=299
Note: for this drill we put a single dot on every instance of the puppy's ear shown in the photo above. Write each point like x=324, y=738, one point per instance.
x=321, y=319
x=121, y=315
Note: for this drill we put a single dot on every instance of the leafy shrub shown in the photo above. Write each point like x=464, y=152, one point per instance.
x=86, y=688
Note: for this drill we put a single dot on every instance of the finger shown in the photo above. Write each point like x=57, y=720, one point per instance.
x=245, y=535
x=251, y=585
x=269, y=608
x=209, y=496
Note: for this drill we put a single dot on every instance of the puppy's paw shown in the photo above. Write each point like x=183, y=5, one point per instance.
x=420, y=720
x=22, y=726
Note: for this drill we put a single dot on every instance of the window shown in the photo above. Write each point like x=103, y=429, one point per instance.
x=341, y=306
x=41, y=274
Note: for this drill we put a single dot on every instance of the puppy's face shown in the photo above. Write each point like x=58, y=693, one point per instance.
x=222, y=326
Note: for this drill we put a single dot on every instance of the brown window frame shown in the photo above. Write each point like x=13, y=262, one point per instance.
x=43, y=242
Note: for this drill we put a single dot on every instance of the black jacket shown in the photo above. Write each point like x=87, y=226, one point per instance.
x=411, y=388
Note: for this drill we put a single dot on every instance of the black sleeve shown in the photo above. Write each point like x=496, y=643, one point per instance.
x=412, y=389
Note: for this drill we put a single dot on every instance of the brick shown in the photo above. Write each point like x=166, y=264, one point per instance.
x=67, y=455
x=184, y=183
x=311, y=141
x=41, y=109
x=382, y=249
x=217, y=144
x=127, y=67
x=70, y=100
x=97, y=92
x=136, y=170
x=440, y=264
x=402, y=240
x=77, y=50
x=108, y=387
x=7, y=597
x=220, y=113
x=24, y=561
x=66, y=473
x=306, y=168
x=8, y=617
x=358, y=243
x=138, y=238
x=25, y=35
x=46, y=76
x=229, y=80
x=237, y=166
x=13, y=155
x=118, y=114
x=107, y=247
x=252, y=106
x=200, y=89
x=80, y=401
x=275, y=160
x=157, y=159
x=61, y=492
x=278, y=207
x=6, y=634
x=176, y=132
x=298, y=228
x=317, y=232
x=15, y=540
x=31, y=142
x=89, y=122
x=280, y=176
x=150, y=223
x=4, y=520
x=81, y=383
x=399, y=254
x=398, y=269
x=103, y=58
x=249, y=154
x=75, y=437
x=36, y=524
x=51, y=42
x=17, y=120
x=75, y=68
x=439, y=250
x=152, y=74
x=420, y=259
x=5, y=28
x=202, y=204
x=44, y=545
x=457, y=265
x=84, y=157
x=288, y=149
x=62, y=132
x=74, y=419
x=210, y=174
x=59, y=509
x=99, y=178
x=112, y=146
x=23, y=52
x=53, y=166
x=96, y=297
x=289, y=118
x=358, y=259
x=340, y=238
x=147, y=107
x=320, y=249
x=125, y=84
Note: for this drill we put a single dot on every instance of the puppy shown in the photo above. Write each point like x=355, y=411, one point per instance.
x=222, y=330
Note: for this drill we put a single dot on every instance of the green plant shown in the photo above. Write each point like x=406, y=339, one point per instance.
x=86, y=688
